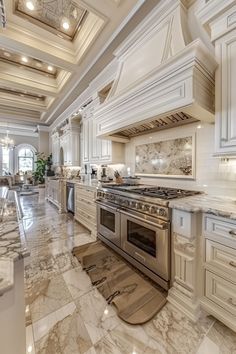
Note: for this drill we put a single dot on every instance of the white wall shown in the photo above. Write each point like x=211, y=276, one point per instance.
x=212, y=175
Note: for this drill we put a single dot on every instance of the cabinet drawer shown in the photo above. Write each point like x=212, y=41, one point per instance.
x=88, y=208
x=90, y=216
x=86, y=202
x=83, y=219
x=221, y=292
x=89, y=194
x=222, y=257
x=221, y=230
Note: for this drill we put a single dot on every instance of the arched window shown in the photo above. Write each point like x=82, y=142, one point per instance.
x=25, y=160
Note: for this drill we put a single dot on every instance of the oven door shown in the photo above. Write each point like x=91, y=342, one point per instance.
x=108, y=220
x=148, y=242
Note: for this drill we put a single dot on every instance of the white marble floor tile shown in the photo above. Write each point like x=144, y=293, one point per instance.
x=99, y=318
x=208, y=347
x=46, y=296
x=223, y=337
x=62, y=332
x=30, y=349
x=78, y=282
x=69, y=316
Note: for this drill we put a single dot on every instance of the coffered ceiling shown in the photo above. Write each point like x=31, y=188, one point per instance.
x=49, y=46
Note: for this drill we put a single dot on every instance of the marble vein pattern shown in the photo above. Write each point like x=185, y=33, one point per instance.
x=65, y=314
x=218, y=206
x=167, y=158
x=12, y=241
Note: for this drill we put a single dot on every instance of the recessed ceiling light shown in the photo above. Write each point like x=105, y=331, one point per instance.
x=65, y=24
x=30, y=5
x=24, y=59
x=50, y=68
x=7, y=54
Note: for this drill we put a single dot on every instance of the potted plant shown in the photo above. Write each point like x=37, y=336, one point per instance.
x=41, y=163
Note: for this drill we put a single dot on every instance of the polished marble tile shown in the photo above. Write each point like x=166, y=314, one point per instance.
x=46, y=296
x=175, y=332
x=223, y=338
x=78, y=282
x=30, y=348
x=99, y=318
x=69, y=316
x=208, y=346
x=126, y=339
x=62, y=332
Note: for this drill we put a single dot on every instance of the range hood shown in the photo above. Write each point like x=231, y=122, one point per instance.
x=164, y=78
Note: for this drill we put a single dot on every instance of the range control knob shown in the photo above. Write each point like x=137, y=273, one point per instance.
x=162, y=212
x=138, y=205
x=145, y=207
x=152, y=210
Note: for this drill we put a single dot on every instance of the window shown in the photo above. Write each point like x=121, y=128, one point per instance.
x=5, y=160
x=25, y=160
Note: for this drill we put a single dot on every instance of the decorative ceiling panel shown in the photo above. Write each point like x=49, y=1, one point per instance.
x=28, y=62
x=23, y=94
x=61, y=17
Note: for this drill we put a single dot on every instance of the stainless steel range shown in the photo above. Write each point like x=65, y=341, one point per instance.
x=135, y=221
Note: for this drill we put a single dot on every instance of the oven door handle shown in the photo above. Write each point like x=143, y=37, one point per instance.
x=159, y=226
x=106, y=206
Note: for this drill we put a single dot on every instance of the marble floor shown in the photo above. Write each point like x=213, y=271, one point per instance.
x=65, y=314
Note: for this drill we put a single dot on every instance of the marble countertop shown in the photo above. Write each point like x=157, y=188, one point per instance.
x=12, y=240
x=218, y=206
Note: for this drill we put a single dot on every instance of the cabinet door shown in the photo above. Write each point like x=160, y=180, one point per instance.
x=95, y=144
x=75, y=148
x=226, y=94
x=106, y=150
x=68, y=149
x=86, y=140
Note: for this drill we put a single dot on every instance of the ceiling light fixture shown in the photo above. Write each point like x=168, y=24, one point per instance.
x=30, y=5
x=7, y=54
x=24, y=59
x=50, y=68
x=6, y=142
x=66, y=24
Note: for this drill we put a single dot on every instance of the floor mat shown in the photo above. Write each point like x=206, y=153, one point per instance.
x=136, y=299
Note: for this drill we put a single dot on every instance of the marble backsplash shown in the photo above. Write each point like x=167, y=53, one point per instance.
x=213, y=175
x=167, y=158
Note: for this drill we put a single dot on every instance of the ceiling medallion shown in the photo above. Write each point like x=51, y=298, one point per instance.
x=6, y=142
x=62, y=17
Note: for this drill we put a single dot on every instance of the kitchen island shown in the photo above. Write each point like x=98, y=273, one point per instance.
x=13, y=251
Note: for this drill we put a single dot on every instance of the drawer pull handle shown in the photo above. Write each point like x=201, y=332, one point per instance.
x=232, y=263
x=231, y=301
x=232, y=232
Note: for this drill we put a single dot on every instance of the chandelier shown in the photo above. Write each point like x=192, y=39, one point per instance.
x=6, y=142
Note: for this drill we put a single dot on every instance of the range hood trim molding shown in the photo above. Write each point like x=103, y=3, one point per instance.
x=187, y=80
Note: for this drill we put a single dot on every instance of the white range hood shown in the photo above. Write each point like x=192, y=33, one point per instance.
x=164, y=78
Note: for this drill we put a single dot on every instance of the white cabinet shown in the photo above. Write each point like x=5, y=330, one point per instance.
x=85, y=207
x=55, y=149
x=70, y=143
x=55, y=192
x=218, y=17
x=99, y=150
x=225, y=49
x=85, y=138
x=220, y=269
